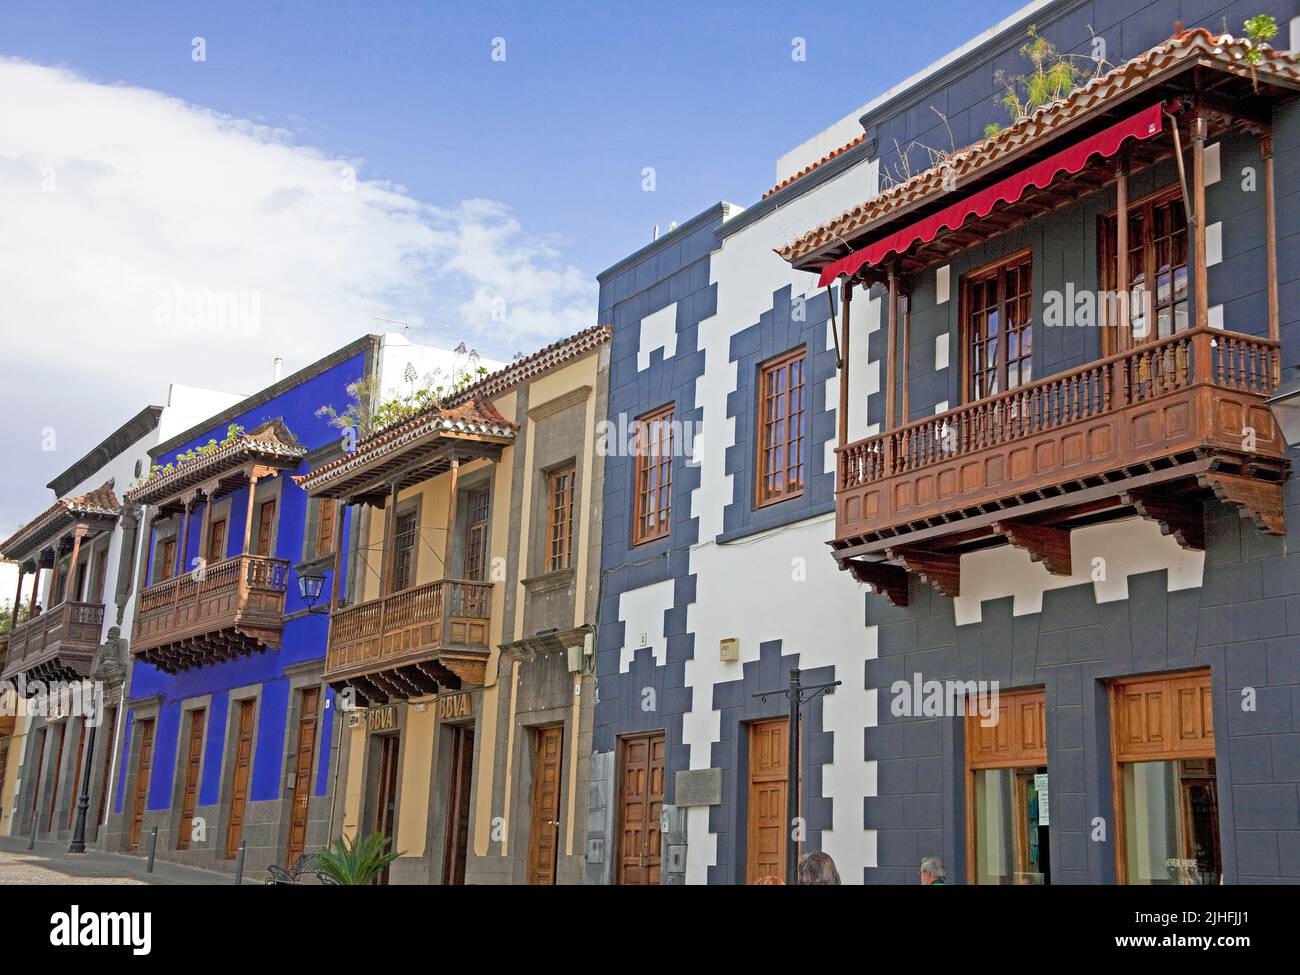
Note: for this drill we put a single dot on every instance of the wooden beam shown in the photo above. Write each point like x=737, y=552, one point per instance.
x=1198, y=206
x=846, y=292
x=1263, y=502
x=941, y=569
x=888, y=580
x=1270, y=238
x=1050, y=546
x=890, y=378
x=1179, y=516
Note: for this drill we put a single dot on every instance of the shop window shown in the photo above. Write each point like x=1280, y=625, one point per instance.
x=1008, y=802
x=1168, y=815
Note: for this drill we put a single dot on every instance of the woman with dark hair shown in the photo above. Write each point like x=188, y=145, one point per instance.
x=818, y=869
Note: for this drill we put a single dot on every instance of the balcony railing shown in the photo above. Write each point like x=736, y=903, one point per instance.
x=1199, y=389
x=440, y=628
x=229, y=607
x=59, y=643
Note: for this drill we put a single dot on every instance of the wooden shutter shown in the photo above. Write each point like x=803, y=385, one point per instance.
x=1163, y=718
x=1018, y=737
x=265, y=528
x=652, y=487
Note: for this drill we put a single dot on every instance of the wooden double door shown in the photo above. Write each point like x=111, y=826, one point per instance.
x=456, y=833
x=640, y=803
x=308, y=721
x=385, y=814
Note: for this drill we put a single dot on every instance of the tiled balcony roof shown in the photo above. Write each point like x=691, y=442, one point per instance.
x=99, y=503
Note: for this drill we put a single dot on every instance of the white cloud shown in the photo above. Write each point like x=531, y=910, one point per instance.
x=124, y=209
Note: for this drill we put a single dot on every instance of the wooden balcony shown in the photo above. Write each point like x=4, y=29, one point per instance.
x=230, y=608
x=412, y=642
x=59, y=644
x=1155, y=431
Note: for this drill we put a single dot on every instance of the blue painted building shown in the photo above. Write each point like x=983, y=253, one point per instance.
x=228, y=735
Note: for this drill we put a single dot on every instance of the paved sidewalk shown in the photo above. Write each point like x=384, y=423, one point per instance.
x=50, y=863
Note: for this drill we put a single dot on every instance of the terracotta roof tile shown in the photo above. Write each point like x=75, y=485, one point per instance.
x=1181, y=47
x=99, y=502
x=820, y=162
x=272, y=440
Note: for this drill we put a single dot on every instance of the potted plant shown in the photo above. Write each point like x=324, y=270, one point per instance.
x=355, y=863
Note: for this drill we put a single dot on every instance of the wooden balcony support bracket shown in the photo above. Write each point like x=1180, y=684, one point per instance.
x=888, y=580
x=1050, y=546
x=1259, y=500
x=1178, y=515
x=941, y=569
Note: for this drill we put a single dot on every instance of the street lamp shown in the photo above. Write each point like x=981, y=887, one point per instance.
x=1285, y=404
x=311, y=582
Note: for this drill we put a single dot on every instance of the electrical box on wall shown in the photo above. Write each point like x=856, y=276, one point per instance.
x=729, y=650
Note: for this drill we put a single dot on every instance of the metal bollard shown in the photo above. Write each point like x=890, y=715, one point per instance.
x=153, y=848
x=239, y=864
x=31, y=840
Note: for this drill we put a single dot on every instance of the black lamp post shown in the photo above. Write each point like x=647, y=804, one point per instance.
x=311, y=583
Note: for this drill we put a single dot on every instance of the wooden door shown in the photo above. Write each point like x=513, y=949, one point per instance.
x=101, y=573
x=38, y=757
x=166, y=567
x=216, y=550
x=143, y=766
x=308, y=713
x=239, y=785
x=456, y=847
x=640, y=802
x=265, y=526
x=386, y=805
x=190, y=784
x=544, y=822
x=769, y=743
x=76, y=776
x=58, y=767
x=110, y=726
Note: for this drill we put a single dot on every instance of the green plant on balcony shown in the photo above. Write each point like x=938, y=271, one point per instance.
x=356, y=863
x=368, y=411
x=233, y=433
x=1052, y=76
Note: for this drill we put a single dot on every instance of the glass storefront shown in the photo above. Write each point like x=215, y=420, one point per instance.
x=1171, y=822
x=1011, y=824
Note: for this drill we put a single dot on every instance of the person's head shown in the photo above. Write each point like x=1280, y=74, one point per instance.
x=932, y=872
x=818, y=869
x=768, y=881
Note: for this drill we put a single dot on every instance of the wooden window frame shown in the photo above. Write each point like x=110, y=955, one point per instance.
x=1106, y=244
x=559, y=517
x=212, y=557
x=261, y=526
x=326, y=533
x=993, y=269
x=477, y=526
x=412, y=512
x=662, y=466
x=1114, y=690
x=766, y=449
x=99, y=574
x=1016, y=759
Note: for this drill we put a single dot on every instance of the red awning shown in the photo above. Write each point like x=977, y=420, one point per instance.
x=1107, y=142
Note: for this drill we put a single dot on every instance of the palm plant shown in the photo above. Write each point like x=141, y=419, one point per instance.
x=356, y=863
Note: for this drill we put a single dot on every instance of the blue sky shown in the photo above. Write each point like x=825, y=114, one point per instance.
x=133, y=178
x=589, y=93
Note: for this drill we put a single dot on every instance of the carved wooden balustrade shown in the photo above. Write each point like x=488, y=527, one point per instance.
x=412, y=641
x=1186, y=411
x=59, y=644
x=226, y=609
